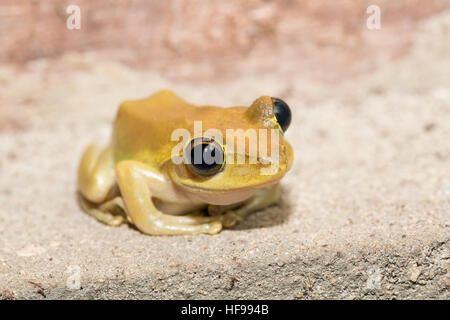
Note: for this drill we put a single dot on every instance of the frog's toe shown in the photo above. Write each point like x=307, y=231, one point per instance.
x=106, y=217
x=110, y=213
x=116, y=221
x=215, y=227
x=230, y=219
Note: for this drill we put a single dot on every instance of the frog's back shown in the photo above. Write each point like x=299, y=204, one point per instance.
x=158, y=108
x=143, y=128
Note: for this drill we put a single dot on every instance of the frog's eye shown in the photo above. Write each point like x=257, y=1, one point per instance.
x=204, y=156
x=282, y=113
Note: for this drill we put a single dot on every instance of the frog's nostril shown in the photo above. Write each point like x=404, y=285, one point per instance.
x=264, y=161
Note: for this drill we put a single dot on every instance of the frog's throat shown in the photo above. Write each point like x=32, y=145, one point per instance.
x=222, y=196
x=198, y=189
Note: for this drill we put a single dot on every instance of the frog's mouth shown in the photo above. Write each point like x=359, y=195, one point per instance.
x=234, y=183
x=223, y=196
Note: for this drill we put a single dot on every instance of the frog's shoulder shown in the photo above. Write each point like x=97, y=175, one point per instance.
x=160, y=105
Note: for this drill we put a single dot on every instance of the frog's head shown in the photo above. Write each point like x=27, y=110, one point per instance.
x=240, y=151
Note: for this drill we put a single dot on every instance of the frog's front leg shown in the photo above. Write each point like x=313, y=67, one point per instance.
x=264, y=198
x=138, y=183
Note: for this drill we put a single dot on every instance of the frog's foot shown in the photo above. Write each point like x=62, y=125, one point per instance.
x=264, y=198
x=111, y=213
x=194, y=221
x=230, y=219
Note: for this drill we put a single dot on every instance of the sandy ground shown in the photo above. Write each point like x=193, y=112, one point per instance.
x=365, y=211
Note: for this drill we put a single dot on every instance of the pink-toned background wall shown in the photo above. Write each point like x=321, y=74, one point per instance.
x=215, y=40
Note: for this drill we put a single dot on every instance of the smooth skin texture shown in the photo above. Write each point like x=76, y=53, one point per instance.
x=135, y=179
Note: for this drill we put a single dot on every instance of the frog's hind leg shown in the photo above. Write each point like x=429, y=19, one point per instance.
x=111, y=212
x=96, y=175
x=98, y=193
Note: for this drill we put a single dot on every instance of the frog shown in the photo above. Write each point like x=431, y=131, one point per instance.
x=135, y=178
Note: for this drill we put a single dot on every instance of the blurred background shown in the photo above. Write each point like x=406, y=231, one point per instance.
x=216, y=40
x=370, y=132
x=206, y=42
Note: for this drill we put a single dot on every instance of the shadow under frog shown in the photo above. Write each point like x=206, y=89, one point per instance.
x=136, y=178
x=271, y=216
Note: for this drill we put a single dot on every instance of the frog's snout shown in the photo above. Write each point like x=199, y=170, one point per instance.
x=288, y=155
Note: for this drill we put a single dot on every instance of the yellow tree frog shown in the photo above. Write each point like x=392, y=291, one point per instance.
x=136, y=177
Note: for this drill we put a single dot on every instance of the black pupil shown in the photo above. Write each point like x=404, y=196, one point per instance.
x=282, y=113
x=205, y=157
